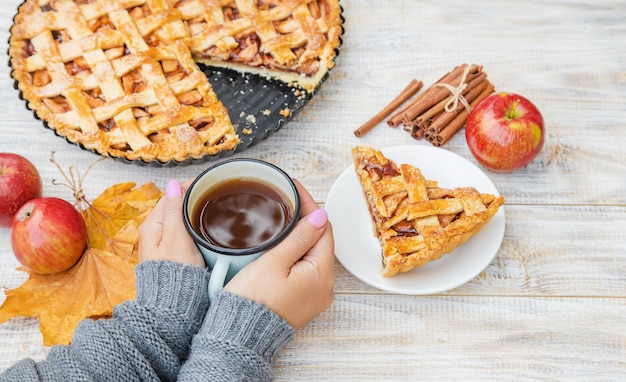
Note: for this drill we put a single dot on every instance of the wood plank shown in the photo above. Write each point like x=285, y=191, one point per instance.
x=453, y=338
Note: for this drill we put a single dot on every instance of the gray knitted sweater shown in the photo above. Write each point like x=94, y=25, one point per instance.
x=169, y=333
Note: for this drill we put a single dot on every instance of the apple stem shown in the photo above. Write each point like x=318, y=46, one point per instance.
x=512, y=111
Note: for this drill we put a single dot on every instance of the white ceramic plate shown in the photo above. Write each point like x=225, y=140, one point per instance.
x=359, y=250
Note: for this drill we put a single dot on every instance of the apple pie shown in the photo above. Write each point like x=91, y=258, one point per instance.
x=120, y=77
x=415, y=220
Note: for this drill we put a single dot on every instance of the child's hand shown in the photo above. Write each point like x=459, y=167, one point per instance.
x=163, y=236
x=295, y=278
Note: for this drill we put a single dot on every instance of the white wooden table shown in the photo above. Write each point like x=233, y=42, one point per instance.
x=550, y=306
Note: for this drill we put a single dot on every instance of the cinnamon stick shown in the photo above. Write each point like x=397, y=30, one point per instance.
x=413, y=87
x=455, y=125
x=417, y=133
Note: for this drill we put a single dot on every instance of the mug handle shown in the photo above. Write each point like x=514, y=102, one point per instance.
x=218, y=277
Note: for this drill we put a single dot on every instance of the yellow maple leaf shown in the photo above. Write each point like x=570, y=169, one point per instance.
x=124, y=242
x=102, y=278
x=91, y=288
x=115, y=207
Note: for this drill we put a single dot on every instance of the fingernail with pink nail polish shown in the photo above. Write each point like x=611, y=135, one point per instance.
x=173, y=189
x=318, y=218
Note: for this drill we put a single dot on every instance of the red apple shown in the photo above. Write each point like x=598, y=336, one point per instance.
x=504, y=132
x=19, y=182
x=48, y=235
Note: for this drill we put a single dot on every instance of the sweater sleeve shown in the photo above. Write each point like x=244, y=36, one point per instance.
x=147, y=339
x=238, y=341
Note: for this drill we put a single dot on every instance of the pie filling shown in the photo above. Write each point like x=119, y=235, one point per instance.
x=406, y=228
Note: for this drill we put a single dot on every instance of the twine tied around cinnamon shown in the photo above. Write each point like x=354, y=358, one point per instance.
x=457, y=93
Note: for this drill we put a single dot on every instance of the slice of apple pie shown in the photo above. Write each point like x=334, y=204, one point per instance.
x=415, y=220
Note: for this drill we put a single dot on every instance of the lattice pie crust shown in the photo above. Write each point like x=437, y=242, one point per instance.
x=120, y=77
x=415, y=220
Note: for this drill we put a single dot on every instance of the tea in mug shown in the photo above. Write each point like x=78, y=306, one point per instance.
x=241, y=213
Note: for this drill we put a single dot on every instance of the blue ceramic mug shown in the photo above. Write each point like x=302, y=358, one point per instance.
x=226, y=212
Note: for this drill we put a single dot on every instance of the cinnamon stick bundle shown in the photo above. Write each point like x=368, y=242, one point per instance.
x=441, y=110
